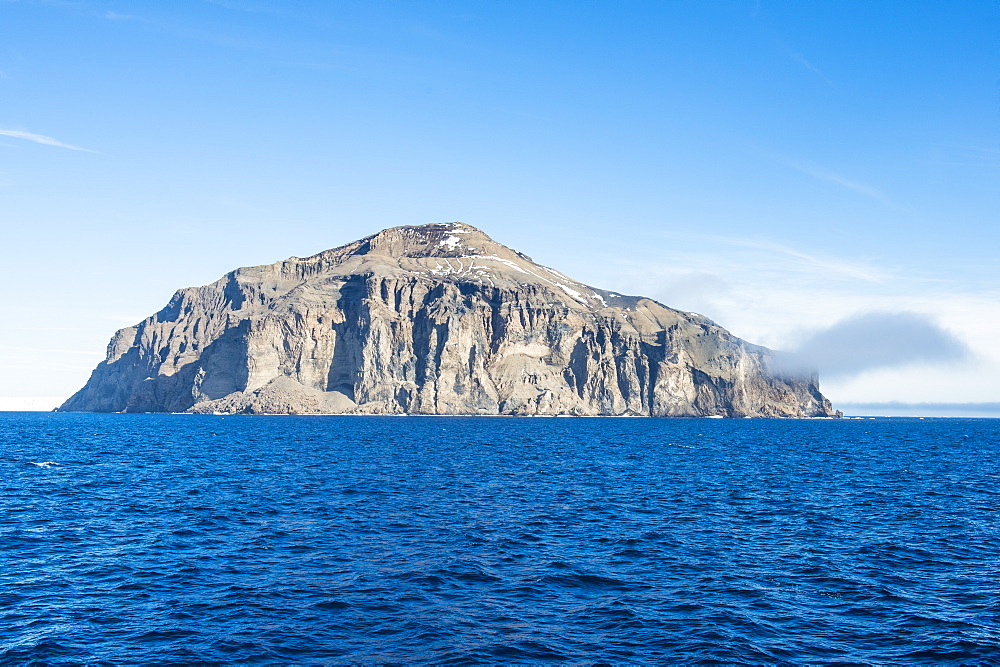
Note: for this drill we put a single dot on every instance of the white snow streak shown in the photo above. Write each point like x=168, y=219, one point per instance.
x=481, y=272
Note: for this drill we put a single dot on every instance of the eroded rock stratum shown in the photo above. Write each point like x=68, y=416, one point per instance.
x=433, y=319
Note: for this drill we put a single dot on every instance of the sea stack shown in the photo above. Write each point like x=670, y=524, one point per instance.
x=434, y=319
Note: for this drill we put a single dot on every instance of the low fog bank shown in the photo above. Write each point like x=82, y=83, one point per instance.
x=869, y=341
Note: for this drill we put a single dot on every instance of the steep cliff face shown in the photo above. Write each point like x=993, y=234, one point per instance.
x=435, y=319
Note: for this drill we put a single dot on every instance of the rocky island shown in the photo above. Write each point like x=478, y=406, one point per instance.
x=434, y=319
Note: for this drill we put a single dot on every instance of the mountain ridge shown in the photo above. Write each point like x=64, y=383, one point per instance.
x=433, y=319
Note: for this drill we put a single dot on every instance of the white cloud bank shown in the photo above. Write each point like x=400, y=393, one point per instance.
x=872, y=340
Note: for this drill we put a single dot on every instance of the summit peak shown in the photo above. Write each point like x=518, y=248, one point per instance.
x=437, y=239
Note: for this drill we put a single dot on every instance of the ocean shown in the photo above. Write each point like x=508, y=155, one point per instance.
x=328, y=540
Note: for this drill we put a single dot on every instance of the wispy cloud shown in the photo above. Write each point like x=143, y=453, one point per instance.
x=800, y=59
x=42, y=139
x=824, y=174
x=832, y=265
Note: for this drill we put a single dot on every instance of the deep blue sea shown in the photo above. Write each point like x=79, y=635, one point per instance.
x=318, y=540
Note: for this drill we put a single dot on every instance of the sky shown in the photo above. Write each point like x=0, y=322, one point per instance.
x=821, y=178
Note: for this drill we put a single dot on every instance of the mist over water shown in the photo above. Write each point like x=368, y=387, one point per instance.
x=158, y=538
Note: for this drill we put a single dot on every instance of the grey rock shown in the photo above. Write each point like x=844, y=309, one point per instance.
x=434, y=319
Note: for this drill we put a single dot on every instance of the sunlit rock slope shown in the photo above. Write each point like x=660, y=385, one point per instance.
x=434, y=319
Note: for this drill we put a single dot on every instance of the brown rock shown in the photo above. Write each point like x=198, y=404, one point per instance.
x=435, y=319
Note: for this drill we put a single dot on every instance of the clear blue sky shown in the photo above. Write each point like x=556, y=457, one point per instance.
x=778, y=166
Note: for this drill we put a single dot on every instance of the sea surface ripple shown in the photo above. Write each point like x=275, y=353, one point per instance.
x=221, y=539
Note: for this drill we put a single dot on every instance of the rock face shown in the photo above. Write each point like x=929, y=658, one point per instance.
x=435, y=319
